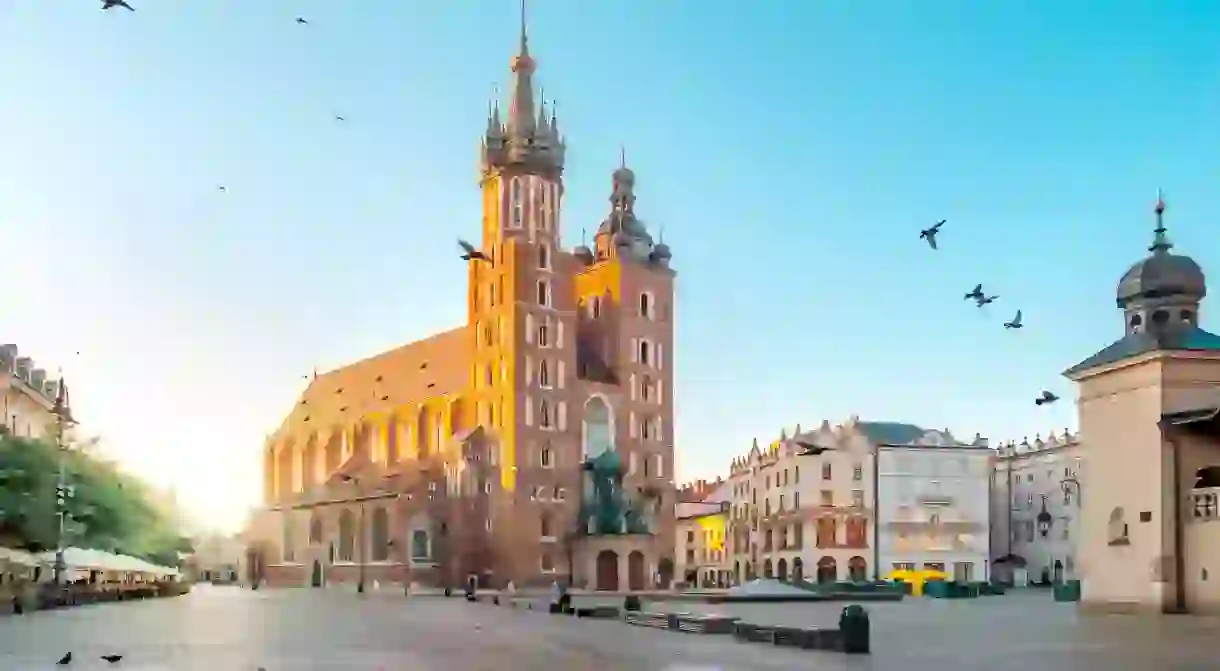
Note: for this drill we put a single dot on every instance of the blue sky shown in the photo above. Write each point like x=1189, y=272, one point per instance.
x=792, y=151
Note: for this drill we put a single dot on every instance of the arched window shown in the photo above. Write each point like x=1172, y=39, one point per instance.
x=544, y=293
x=422, y=433
x=645, y=351
x=420, y=547
x=544, y=374
x=646, y=306
x=347, y=536
x=315, y=529
x=598, y=428
x=515, y=203
x=289, y=549
x=381, y=534
x=544, y=414
x=544, y=526
x=544, y=256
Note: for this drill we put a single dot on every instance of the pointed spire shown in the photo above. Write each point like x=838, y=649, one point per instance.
x=1160, y=243
x=521, y=116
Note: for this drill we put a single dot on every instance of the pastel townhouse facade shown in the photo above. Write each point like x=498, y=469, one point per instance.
x=934, y=504
x=700, y=548
x=27, y=396
x=461, y=456
x=1149, y=413
x=1035, y=503
x=802, y=508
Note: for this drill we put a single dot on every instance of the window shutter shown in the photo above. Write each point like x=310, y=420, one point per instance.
x=529, y=328
x=559, y=333
x=560, y=372
x=635, y=350
x=633, y=386
x=562, y=409
x=660, y=392
x=659, y=356
x=634, y=428
x=529, y=370
x=529, y=410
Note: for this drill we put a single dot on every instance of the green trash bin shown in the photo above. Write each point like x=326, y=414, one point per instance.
x=854, y=627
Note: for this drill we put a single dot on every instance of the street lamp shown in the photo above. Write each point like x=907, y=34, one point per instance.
x=63, y=420
x=360, y=534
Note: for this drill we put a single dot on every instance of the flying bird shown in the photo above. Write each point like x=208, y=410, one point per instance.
x=976, y=293
x=471, y=254
x=929, y=234
x=1045, y=398
x=110, y=4
x=985, y=300
x=65, y=660
x=339, y=118
x=1015, y=323
x=221, y=188
x=113, y=659
x=302, y=21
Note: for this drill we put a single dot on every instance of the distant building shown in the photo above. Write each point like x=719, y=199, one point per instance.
x=217, y=557
x=702, y=524
x=933, y=504
x=1035, y=503
x=28, y=396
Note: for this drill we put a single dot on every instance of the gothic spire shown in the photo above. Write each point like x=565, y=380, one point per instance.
x=521, y=114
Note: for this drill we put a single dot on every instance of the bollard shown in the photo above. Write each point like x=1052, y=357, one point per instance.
x=854, y=625
x=448, y=591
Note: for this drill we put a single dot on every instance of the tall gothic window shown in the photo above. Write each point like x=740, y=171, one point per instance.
x=598, y=436
x=515, y=205
x=347, y=536
x=381, y=534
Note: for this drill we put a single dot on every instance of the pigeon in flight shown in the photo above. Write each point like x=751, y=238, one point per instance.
x=976, y=293
x=1015, y=323
x=65, y=660
x=985, y=300
x=113, y=659
x=339, y=118
x=929, y=234
x=471, y=254
x=111, y=4
x=221, y=188
x=1045, y=398
x=302, y=21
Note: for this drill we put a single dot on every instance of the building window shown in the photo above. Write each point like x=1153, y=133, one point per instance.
x=796, y=475
x=828, y=497
x=826, y=471
x=515, y=197
x=381, y=534
x=646, y=389
x=347, y=536
x=857, y=498
x=545, y=418
x=544, y=256
x=544, y=293
x=420, y=548
x=646, y=305
x=645, y=351
x=546, y=457
x=857, y=472
x=543, y=336
x=544, y=374
x=595, y=307
x=796, y=500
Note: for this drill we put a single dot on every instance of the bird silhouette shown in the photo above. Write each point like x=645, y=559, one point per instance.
x=302, y=21
x=976, y=293
x=985, y=300
x=929, y=234
x=111, y=4
x=1045, y=398
x=339, y=118
x=65, y=660
x=221, y=188
x=471, y=254
x=113, y=659
x=1015, y=323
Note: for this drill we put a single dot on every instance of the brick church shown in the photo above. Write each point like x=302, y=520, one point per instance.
x=463, y=455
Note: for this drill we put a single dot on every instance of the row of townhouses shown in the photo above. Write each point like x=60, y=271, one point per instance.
x=863, y=499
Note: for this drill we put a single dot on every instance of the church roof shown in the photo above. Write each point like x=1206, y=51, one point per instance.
x=1186, y=338
x=891, y=433
x=434, y=366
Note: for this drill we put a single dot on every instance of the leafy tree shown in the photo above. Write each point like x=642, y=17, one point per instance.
x=107, y=509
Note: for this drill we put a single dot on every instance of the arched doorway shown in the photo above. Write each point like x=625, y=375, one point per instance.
x=828, y=569
x=736, y=572
x=857, y=569
x=749, y=571
x=781, y=569
x=1057, y=574
x=666, y=569
x=254, y=566
x=316, y=579
x=607, y=571
x=798, y=570
x=636, y=580
x=767, y=572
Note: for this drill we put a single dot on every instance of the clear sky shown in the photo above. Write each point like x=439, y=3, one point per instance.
x=791, y=150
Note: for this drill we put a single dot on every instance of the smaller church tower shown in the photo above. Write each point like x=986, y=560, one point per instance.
x=1135, y=544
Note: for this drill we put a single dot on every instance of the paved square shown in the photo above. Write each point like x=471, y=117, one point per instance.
x=228, y=629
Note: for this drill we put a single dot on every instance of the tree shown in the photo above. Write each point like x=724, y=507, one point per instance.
x=106, y=509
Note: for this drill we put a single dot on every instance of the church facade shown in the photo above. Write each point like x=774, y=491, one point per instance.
x=464, y=455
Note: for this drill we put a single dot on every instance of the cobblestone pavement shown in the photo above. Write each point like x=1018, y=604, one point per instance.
x=229, y=629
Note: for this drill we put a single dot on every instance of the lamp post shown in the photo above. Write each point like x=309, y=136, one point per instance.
x=1067, y=484
x=359, y=534
x=63, y=420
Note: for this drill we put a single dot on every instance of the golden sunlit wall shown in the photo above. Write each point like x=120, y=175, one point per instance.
x=605, y=277
x=712, y=528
